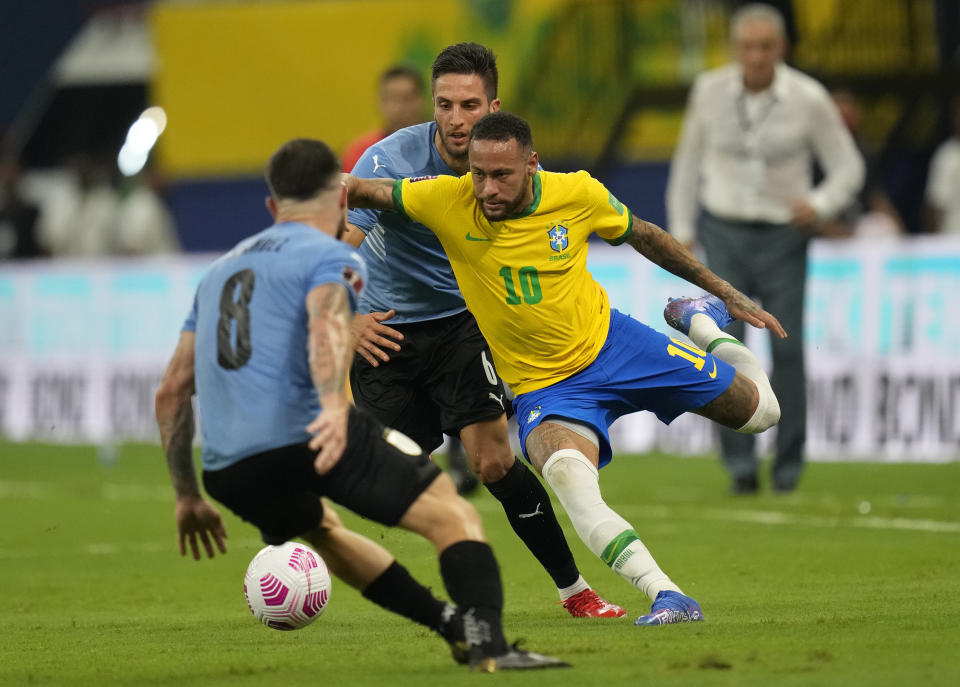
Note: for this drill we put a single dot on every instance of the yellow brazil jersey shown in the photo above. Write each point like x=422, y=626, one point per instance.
x=525, y=278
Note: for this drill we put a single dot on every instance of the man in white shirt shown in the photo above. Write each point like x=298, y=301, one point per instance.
x=744, y=162
x=943, y=183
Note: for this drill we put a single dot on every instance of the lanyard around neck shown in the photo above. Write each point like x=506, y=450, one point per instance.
x=746, y=125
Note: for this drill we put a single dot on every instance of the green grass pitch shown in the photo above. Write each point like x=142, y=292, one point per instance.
x=853, y=580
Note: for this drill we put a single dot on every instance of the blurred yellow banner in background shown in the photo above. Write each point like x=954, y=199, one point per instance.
x=239, y=78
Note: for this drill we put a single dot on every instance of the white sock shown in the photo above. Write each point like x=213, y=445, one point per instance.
x=575, y=588
x=575, y=481
x=705, y=333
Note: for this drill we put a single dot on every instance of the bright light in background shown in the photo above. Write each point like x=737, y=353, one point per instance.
x=130, y=160
x=142, y=135
x=157, y=116
x=141, y=138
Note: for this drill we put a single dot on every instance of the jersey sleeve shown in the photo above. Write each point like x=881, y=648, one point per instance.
x=190, y=324
x=612, y=220
x=344, y=267
x=373, y=164
x=425, y=199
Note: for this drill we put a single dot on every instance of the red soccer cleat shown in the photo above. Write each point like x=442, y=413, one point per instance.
x=588, y=604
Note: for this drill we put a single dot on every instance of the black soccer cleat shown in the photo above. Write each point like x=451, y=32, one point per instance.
x=451, y=629
x=460, y=651
x=464, y=480
x=515, y=659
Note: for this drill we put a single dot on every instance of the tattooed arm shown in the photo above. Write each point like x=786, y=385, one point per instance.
x=373, y=338
x=195, y=516
x=369, y=193
x=661, y=248
x=330, y=351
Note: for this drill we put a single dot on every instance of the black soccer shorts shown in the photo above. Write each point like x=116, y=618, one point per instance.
x=441, y=380
x=279, y=492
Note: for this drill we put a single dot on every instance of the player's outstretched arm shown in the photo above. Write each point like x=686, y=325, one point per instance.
x=661, y=248
x=330, y=350
x=196, y=518
x=376, y=194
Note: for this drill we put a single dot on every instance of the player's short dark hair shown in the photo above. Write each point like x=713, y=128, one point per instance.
x=468, y=58
x=403, y=71
x=301, y=168
x=502, y=126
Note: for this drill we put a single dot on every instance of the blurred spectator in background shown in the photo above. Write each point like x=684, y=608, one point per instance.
x=871, y=215
x=401, y=105
x=84, y=216
x=785, y=8
x=79, y=217
x=750, y=134
x=18, y=217
x=943, y=182
x=144, y=223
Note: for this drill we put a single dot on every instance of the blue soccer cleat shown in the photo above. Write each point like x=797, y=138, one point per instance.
x=680, y=311
x=671, y=607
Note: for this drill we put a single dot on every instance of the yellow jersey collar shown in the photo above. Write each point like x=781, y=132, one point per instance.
x=535, y=203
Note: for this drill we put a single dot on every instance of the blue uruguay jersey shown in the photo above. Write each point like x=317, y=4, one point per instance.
x=409, y=270
x=250, y=356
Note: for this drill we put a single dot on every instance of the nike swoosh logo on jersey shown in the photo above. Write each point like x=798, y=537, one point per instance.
x=713, y=375
x=476, y=238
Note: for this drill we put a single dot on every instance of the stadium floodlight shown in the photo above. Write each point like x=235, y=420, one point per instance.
x=142, y=134
x=141, y=137
x=131, y=160
x=157, y=115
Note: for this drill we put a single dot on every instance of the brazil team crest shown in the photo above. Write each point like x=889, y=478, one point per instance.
x=534, y=414
x=558, y=238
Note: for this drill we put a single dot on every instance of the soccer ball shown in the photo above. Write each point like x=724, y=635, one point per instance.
x=287, y=586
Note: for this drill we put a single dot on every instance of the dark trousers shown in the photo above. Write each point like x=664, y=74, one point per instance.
x=767, y=262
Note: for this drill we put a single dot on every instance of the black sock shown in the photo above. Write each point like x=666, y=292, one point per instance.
x=472, y=577
x=457, y=457
x=397, y=591
x=521, y=494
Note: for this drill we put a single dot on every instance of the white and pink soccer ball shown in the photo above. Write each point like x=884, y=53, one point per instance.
x=287, y=586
